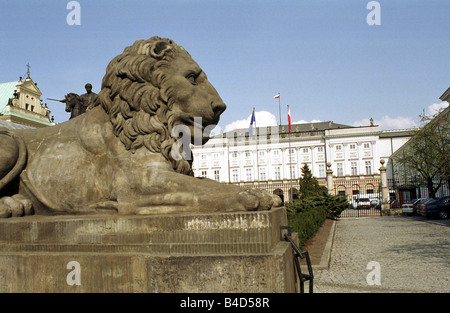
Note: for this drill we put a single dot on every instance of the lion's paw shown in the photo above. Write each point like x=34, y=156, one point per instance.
x=259, y=200
x=15, y=206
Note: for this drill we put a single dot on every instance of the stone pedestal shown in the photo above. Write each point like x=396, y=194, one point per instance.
x=216, y=252
x=385, y=206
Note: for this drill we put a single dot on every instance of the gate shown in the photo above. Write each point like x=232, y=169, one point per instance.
x=362, y=193
x=353, y=212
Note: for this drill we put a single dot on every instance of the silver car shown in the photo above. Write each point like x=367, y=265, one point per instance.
x=408, y=208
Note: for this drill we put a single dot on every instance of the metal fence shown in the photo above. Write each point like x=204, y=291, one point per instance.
x=362, y=193
x=402, y=190
x=359, y=191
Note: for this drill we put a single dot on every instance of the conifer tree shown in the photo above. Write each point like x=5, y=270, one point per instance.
x=309, y=186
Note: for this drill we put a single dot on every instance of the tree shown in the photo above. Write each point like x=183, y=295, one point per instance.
x=309, y=186
x=427, y=152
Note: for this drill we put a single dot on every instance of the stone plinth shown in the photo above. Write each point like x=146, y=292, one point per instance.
x=217, y=252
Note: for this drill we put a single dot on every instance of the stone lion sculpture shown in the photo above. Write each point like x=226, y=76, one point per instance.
x=120, y=156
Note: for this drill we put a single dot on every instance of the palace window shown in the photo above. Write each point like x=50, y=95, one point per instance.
x=368, y=167
x=277, y=173
x=354, y=168
x=248, y=174
x=235, y=176
x=292, y=171
x=217, y=175
x=340, y=169
x=262, y=173
x=321, y=170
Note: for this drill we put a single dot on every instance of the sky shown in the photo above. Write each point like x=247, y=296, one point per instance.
x=323, y=57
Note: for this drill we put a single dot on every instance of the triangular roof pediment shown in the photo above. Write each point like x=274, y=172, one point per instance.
x=30, y=85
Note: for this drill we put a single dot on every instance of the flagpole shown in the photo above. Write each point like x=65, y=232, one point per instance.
x=257, y=157
x=279, y=106
x=291, y=196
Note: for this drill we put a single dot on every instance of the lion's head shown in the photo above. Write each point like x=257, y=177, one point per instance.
x=153, y=86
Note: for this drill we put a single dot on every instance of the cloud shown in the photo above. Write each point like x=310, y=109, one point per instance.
x=306, y=122
x=387, y=122
x=401, y=122
x=263, y=118
x=436, y=107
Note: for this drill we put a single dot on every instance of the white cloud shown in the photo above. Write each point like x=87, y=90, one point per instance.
x=263, y=118
x=387, y=122
x=401, y=122
x=306, y=122
x=436, y=107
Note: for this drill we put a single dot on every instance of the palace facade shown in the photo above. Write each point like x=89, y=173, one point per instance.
x=271, y=158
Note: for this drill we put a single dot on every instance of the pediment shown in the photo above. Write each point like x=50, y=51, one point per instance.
x=30, y=86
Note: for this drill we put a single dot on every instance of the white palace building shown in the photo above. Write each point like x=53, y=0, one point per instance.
x=272, y=158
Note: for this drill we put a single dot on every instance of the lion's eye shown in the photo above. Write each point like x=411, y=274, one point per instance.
x=192, y=79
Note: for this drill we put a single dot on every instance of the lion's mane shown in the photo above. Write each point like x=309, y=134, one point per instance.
x=139, y=110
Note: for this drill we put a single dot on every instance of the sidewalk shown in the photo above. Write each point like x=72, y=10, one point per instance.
x=319, y=246
x=412, y=252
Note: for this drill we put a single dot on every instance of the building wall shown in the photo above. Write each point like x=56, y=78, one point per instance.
x=274, y=162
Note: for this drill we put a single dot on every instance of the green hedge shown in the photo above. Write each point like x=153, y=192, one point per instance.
x=305, y=219
x=306, y=216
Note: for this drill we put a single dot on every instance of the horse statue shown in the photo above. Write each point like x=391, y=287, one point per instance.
x=74, y=105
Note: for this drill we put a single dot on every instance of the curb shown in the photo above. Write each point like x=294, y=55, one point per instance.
x=326, y=255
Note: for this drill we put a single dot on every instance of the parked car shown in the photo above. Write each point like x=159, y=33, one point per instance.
x=362, y=203
x=422, y=203
x=416, y=206
x=439, y=207
x=408, y=208
x=374, y=203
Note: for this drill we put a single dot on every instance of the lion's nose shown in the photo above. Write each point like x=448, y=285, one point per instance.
x=218, y=108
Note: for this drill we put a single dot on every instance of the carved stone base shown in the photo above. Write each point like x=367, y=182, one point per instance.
x=219, y=252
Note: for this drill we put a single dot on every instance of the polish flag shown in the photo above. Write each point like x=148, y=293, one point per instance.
x=277, y=96
x=289, y=119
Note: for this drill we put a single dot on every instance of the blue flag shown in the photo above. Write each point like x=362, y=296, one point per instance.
x=253, y=120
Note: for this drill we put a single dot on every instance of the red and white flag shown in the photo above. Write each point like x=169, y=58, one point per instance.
x=277, y=96
x=289, y=119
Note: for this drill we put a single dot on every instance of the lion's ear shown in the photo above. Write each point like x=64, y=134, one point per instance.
x=160, y=48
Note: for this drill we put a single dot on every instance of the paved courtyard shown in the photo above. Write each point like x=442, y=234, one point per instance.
x=413, y=254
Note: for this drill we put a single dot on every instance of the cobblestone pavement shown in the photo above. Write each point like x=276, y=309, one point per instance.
x=413, y=255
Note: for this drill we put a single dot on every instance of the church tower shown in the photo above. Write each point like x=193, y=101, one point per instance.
x=20, y=103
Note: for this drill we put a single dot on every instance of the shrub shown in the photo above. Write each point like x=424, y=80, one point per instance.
x=334, y=205
x=305, y=219
x=306, y=216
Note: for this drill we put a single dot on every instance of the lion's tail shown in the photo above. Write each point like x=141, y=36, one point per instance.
x=21, y=160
